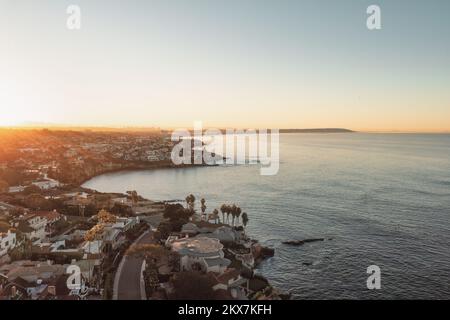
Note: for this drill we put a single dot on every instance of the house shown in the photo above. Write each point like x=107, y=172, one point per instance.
x=125, y=224
x=92, y=249
x=51, y=287
x=6, y=209
x=112, y=239
x=200, y=254
x=16, y=189
x=38, y=271
x=13, y=290
x=222, y=232
x=8, y=241
x=32, y=226
x=46, y=184
x=232, y=281
x=52, y=218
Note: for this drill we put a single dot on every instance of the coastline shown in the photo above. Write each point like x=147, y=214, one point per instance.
x=135, y=167
x=258, y=251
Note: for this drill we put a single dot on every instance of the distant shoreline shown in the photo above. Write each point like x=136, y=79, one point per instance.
x=318, y=130
x=141, y=168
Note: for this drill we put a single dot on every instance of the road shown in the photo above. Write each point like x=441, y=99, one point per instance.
x=127, y=284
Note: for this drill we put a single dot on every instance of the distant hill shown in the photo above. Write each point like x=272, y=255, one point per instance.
x=318, y=130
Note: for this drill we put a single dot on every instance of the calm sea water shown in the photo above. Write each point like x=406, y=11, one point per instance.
x=382, y=199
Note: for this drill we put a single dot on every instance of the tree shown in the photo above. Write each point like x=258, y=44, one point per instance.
x=192, y=286
x=152, y=253
x=244, y=219
x=190, y=201
x=37, y=202
x=104, y=216
x=233, y=212
x=12, y=177
x=203, y=208
x=174, y=260
x=177, y=212
x=120, y=209
x=238, y=214
x=4, y=186
x=4, y=227
x=134, y=197
x=164, y=228
x=32, y=189
x=93, y=233
x=223, y=209
x=216, y=215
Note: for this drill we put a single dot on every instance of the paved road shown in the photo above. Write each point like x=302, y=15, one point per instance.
x=129, y=279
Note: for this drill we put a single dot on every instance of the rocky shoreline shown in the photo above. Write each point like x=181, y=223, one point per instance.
x=259, y=252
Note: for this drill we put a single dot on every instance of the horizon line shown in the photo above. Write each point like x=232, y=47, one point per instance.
x=55, y=127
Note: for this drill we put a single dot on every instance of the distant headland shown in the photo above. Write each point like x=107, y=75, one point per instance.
x=317, y=130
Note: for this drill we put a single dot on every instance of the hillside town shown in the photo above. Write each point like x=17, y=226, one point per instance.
x=123, y=245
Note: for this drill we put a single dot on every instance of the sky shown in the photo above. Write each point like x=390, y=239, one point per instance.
x=227, y=63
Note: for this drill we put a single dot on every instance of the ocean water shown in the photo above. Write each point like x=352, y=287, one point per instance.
x=378, y=199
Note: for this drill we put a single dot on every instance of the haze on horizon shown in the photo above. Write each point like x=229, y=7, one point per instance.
x=274, y=64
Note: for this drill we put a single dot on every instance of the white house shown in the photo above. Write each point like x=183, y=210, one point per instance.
x=32, y=226
x=16, y=189
x=201, y=254
x=46, y=184
x=124, y=224
x=232, y=281
x=8, y=241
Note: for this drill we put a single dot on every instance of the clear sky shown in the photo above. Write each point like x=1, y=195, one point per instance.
x=246, y=63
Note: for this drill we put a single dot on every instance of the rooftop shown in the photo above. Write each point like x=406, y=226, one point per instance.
x=198, y=246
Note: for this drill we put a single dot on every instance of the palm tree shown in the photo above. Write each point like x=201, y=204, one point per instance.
x=228, y=213
x=238, y=214
x=223, y=209
x=244, y=219
x=190, y=201
x=203, y=207
x=216, y=215
x=134, y=198
x=233, y=212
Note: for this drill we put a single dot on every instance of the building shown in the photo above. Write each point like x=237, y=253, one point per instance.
x=16, y=189
x=8, y=241
x=33, y=280
x=232, y=282
x=52, y=218
x=6, y=209
x=222, y=232
x=125, y=224
x=200, y=254
x=32, y=226
x=46, y=184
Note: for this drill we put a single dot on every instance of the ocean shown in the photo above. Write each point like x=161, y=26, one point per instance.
x=377, y=199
